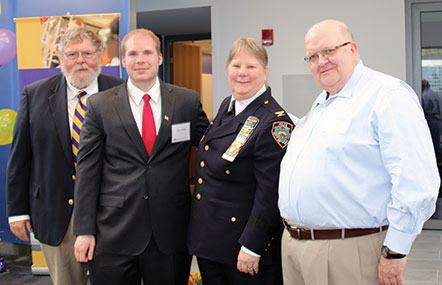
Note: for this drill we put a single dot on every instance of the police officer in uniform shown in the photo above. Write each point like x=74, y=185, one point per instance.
x=235, y=226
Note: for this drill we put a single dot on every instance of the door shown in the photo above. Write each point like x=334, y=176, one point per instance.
x=425, y=74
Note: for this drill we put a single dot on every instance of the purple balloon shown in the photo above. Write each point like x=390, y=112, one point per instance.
x=8, y=46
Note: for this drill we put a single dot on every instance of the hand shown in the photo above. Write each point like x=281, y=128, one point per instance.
x=391, y=271
x=21, y=228
x=84, y=248
x=247, y=263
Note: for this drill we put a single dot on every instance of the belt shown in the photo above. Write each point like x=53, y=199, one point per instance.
x=313, y=234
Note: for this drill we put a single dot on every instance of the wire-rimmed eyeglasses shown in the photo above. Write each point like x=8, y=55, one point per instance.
x=325, y=53
x=85, y=54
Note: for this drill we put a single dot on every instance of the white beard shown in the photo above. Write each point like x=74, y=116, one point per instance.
x=85, y=81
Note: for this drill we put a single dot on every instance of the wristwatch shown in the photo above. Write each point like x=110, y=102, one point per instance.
x=388, y=254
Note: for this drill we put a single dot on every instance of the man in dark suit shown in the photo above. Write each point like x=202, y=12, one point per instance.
x=41, y=171
x=132, y=189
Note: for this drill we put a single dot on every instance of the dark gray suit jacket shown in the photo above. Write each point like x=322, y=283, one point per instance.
x=41, y=168
x=122, y=194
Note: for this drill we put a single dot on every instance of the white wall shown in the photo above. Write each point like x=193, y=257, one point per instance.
x=378, y=27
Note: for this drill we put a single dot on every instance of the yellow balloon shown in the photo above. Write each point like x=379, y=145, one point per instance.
x=7, y=121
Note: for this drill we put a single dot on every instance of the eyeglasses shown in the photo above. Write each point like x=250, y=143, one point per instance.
x=85, y=54
x=325, y=53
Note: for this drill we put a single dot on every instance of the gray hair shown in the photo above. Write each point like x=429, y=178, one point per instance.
x=77, y=35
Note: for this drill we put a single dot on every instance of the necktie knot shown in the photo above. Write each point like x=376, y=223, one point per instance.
x=146, y=98
x=81, y=94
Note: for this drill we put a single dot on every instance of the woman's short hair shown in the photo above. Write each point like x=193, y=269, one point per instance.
x=251, y=46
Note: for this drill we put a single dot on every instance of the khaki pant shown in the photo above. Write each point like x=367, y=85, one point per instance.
x=63, y=267
x=331, y=262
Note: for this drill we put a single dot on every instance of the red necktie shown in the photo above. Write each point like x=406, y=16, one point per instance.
x=149, y=133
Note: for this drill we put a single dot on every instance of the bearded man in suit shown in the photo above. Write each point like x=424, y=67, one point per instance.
x=41, y=166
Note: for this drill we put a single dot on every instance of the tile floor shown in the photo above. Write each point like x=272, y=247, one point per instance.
x=424, y=264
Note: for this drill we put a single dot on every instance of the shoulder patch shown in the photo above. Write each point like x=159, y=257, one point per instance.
x=281, y=132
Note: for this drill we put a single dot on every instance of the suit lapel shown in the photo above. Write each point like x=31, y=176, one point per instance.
x=122, y=106
x=102, y=84
x=221, y=129
x=167, y=107
x=58, y=105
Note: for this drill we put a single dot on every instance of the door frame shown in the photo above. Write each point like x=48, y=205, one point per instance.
x=413, y=10
x=167, y=40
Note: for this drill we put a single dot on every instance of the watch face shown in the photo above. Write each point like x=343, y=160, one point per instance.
x=384, y=251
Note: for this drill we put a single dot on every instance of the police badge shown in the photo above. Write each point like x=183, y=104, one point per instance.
x=281, y=132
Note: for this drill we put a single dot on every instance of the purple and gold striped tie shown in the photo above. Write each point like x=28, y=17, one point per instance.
x=80, y=110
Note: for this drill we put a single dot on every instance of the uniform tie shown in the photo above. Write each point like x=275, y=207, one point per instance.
x=80, y=110
x=232, y=108
x=230, y=112
x=149, y=133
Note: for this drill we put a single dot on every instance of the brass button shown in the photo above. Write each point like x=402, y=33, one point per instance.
x=71, y=202
x=272, y=238
x=73, y=177
x=202, y=164
x=266, y=249
x=269, y=244
x=227, y=172
x=233, y=219
x=266, y=102
x=198, y=196
x=206, y=147
x=200, y=180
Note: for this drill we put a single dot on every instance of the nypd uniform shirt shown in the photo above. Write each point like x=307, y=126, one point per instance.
x=235, y=199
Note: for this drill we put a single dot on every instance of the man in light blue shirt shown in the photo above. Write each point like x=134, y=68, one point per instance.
x=359, y=163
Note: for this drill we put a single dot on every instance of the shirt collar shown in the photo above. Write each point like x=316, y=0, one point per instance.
x=91, y=89
x=137, y=94
x=244, y=103
x=347, y=90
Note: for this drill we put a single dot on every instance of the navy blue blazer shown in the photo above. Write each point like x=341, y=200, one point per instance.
x=235, y=203
x=40, y=171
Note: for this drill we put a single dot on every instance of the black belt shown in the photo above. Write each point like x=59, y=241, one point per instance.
x=313, y=234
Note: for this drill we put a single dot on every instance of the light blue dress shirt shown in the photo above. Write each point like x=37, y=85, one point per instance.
x=362, y=159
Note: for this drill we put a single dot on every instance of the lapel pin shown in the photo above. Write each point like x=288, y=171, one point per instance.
x=279, y=113
x=166, y=118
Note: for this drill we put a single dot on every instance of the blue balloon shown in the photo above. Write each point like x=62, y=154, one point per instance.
x=8, y=46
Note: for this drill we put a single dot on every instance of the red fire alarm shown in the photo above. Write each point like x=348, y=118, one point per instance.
x=267, y=37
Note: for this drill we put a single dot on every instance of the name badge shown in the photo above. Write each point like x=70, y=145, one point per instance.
x=242, y=137
x=181, y=132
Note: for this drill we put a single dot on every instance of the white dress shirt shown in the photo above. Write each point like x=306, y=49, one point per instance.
x=241, y=105
x=362, y=158
x=136, y=102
